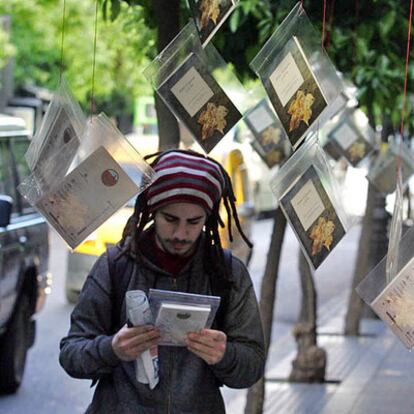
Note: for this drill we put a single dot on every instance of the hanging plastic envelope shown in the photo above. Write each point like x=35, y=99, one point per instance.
x=383, y=172
x=106, y=173
x=306, y=191
x=58, y=138
x=209, y=15
x=197, y=87
x=270, y=140
x=353, y=136
x=298, y=76
x=393, y=302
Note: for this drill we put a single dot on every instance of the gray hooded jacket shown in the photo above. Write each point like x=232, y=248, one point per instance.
x=187, y=384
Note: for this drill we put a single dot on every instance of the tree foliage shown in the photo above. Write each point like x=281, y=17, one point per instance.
x=121, y=50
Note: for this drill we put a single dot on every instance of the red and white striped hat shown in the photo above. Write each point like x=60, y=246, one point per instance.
x=183, y=177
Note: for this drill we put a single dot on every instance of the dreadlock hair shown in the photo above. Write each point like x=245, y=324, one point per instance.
x=213, y=253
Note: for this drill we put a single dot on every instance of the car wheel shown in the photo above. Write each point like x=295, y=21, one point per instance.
x=13, y=348
x=72, y=296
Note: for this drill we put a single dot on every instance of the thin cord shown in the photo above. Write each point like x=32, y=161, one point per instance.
x=407, y=61
x=331, y=15
x=62, y=40
x=323, y=24
x=94, y=58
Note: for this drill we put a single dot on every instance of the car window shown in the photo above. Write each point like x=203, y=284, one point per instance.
x=7, y=185
x=19, y=148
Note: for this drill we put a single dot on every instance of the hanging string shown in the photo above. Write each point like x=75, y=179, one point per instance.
x=62, y=41
x=407, y=62
x=331, y=15
x=323, y=24
x=94, y=59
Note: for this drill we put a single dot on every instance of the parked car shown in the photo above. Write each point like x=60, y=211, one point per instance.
x=24, y=254
x=83, y=257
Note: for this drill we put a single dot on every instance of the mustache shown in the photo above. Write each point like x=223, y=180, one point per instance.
x=178, y=241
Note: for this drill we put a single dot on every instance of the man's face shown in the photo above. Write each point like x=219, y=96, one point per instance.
x=178, y=226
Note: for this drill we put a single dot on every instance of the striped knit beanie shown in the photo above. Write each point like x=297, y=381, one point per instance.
x=183, y=177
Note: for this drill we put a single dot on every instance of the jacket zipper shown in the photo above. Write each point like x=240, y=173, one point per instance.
x=174, y=287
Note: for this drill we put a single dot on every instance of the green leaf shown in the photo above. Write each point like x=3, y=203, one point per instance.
x=115, y=9
x=386, y=23
x=234, y=20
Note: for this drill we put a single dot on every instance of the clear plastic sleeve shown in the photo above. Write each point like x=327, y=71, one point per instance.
x=198, y=87
x=270, y=139
x=298, y=76
x=352, y=135
x=158, y=298
x=58, y=138
x=139, y=313
x=394, y=302
x=307, y=193
x=210, y=15
x=106, y=173
x=383, y=172
x=395, y=232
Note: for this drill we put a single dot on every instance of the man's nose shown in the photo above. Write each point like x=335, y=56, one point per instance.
x=180, y=231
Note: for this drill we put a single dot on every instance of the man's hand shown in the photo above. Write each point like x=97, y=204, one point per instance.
x=208, y=344
x=129, y=343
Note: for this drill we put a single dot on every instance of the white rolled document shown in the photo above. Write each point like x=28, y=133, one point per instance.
x=139, y=313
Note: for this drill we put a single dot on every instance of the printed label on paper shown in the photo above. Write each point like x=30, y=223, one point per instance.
x=345, y=136
x=286, y=79
x=87, y=197
x=260, y=119
x=395, y=305
x=307, y=205
x=192, y=91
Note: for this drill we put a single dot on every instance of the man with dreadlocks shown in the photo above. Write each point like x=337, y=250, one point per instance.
x=170, y=242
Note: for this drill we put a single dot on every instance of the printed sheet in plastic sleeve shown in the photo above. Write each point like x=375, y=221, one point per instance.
x=352, y=135
x=383, y=171
x=58, y=137
x=198, y=87
x=298, y=76
x=308, y=195
x=270, y=140
x=177, y=313
x=393, y=301
x=106, y=174
x=209, y=15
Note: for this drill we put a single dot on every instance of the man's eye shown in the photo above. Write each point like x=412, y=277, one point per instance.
x=169, y=219
x=194, y=222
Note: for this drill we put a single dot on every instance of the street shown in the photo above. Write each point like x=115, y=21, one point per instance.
x=48, y=389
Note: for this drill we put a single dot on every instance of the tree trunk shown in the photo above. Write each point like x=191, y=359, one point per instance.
x=168, y=22
x=373, y=244
x=256, y=393
x=310, y=362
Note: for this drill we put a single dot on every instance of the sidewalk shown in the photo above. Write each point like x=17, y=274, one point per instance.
x=373, y=373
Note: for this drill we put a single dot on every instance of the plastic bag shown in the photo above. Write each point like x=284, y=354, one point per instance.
x=58, y=138
x=106, y=173
x=270, y=140
x=194, y=307
x=306, y=191
x=198, y=88
x=394, y=302
x=297, y=74
x=210, y=15
x=382, y=173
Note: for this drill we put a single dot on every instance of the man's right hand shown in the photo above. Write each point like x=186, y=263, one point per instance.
x=129, y=343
